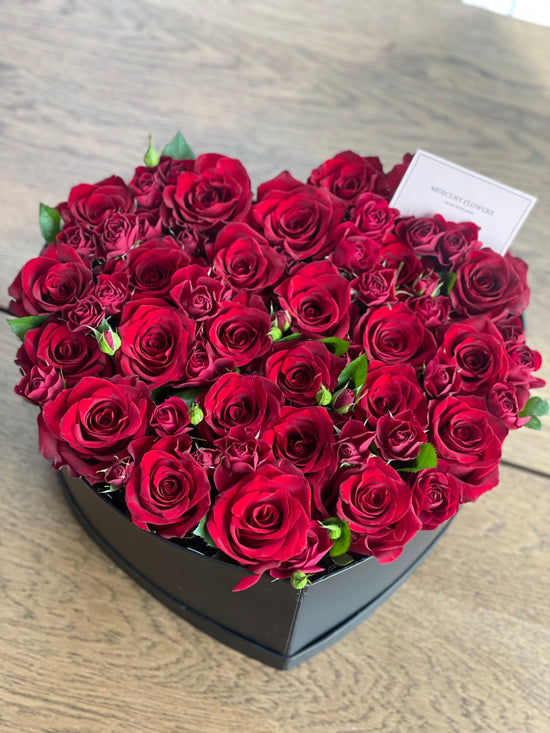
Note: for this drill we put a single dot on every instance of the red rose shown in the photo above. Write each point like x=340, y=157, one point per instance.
x=395, y=335
x=436, y=495
x=197, y=293
x=305, y=436
x=112, y=291
x=244, y=259
x=151, y=266
x=347, y=175
x=72, y=354
x=433, y=310
x=393, y=178
x=450, y=246
x=146, y=188
x=399, y=438
x=155, y=342
x=307, y=561
x=82, y=240
x=41, y=384
x=377, y=503
x=419, y=233
x=263, y=519
x=490, y=285
x=46, y=284
x=391, y=390
x=204, y=365
x=440, y=377
x=403, y=261
x=167, y=491
x=239, y=400
x=476, y=349
x=297, y=217
x=85, y=426
x=523, y=361
x=171, y=418
x=240, y=333
x=373, y=216
x=117, y=234
x=239, y=453
x=375, y=286
x=90, y=204
x=502, y=402
x=300, y=370
x=317, y=299
x=354, y=252
x=353, y=442
x=84, y=315
x=215, y=193
x=469, y=438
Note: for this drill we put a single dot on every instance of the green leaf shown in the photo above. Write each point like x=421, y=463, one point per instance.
x=20, y=326
x=178, y=148
x=342, y=560
x=448, y=279
x=291, y=337
x=356, y=371
x=339, y=346
x=50, y=223
x=535, y=407
x=534, y=423
x=339, y=533
x=189, y=395
x=426, y=458
x=151, y=157
x=201, y=531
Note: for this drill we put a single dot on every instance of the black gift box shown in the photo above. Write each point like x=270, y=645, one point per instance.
x=271, y=621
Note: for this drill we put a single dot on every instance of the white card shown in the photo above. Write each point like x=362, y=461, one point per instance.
x=433, y=185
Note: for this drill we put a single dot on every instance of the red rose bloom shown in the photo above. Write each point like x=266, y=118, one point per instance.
x=373, y=216
x=85, y=426
x=469, y=438
x=299, y=218
x=239, y=453
x=305, y=436
x=155, y=342
x=238, y=400
x=436, y=495
x=347, y=175
x=263, y=519
x=90, y=204
x=167, y=491
x=151, y=266
x=197, y=293
x=395, y=334
x=377, y=503
x=300, y=370
x=215, y=193
x=72, y=354
x=354, y=252
x=490, y=285
x=308, y=561
x=476, y=350
x=59, y=277
x=317, y=299
x=244, y=259
x=391, y=390
x=240, y=333
x=171, y=418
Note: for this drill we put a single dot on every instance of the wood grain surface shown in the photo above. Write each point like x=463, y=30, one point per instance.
x=465, y=644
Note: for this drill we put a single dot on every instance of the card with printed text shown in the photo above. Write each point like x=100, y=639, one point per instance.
x=433, y=185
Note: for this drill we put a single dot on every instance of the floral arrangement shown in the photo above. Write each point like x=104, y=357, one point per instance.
x=293, y=381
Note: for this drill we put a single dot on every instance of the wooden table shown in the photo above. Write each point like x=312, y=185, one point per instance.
x=464, y=645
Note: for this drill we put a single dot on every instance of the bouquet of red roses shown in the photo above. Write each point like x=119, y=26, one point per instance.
x=297, y=379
